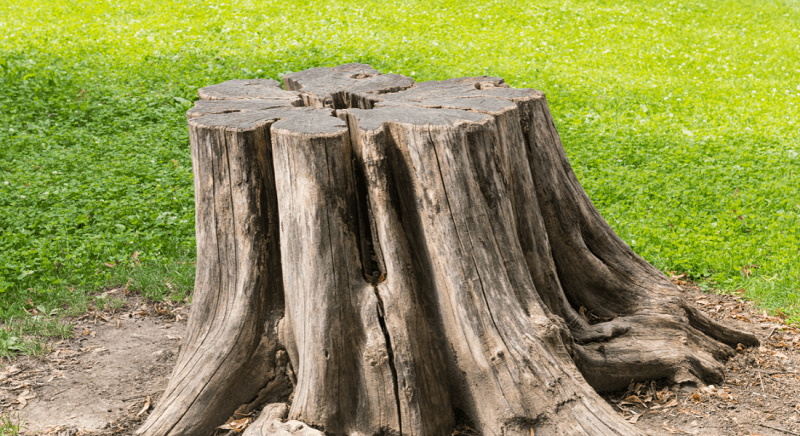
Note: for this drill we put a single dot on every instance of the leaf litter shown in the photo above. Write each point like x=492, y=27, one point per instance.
x=125, y=365
x=761, y=391
x=103, y=381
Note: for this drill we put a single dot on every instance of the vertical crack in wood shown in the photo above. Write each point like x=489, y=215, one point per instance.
x=390, y=351
x=372, y=266
x=469, y=325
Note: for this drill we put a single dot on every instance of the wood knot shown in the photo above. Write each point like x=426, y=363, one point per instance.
x=497, y=356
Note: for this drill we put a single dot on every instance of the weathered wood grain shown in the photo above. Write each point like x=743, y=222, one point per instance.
x=398, y=258
x=250, y=89
x=349, y=85
x=209, y=107
x=238, y=295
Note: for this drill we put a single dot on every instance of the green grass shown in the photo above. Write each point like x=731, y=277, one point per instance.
x=10, y=425
x=680, y=118
x=29, y=334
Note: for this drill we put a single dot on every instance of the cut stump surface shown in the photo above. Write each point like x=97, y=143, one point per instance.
x=379, y=256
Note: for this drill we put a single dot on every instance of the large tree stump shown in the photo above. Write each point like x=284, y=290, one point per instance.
x=379, y=256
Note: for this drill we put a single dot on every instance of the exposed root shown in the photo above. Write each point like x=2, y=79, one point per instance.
x=429, y=249
x=722, y=333
x=655, y=347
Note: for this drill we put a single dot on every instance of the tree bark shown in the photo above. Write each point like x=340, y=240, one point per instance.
x=379, y=256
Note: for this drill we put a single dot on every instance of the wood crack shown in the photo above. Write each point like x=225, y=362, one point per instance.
x=390, y=352
x=470, y=330
x=368, y=248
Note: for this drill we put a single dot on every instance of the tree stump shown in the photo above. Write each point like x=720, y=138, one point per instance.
x=379, y=256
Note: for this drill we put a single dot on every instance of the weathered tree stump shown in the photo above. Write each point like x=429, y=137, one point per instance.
x=379, y=256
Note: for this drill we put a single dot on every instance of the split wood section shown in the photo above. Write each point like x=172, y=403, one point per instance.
x=379, y=256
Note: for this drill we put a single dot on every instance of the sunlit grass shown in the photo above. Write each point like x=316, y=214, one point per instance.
x=680, y=119
x=10, y=424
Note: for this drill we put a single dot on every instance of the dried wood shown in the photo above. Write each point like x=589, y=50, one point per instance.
x=425, y=256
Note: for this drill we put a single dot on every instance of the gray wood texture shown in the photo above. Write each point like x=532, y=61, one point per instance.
x=349, y=85
x=400, y=258
x=250, y=89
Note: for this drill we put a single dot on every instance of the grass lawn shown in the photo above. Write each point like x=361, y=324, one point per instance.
x=680, y=118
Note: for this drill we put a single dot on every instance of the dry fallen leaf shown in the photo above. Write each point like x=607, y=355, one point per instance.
x=672, y=403
x=237, y=425
x=633, y=399
x=671, y=430
x=146, y=406
x=634, y=418
x=582, y=312
x=23, y=398
x=712, y=390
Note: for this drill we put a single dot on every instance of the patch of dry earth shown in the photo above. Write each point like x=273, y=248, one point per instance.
x=116, y=363
x=106, y=379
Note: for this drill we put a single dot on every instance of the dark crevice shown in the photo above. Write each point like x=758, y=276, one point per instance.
x=368, y=249
x=390, y=351
x=277, y=389
x=343, y=99
x=349, y=100
x=465, y=426
x=339, y=100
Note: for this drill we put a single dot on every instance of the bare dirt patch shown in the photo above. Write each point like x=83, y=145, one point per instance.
x=99, y=381
x=106, y=379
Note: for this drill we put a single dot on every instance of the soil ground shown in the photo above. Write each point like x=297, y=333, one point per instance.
x=106, y=379
x=761, y=391
x=98, y=382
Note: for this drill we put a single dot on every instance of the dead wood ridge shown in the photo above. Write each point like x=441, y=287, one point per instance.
x=379, y=256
